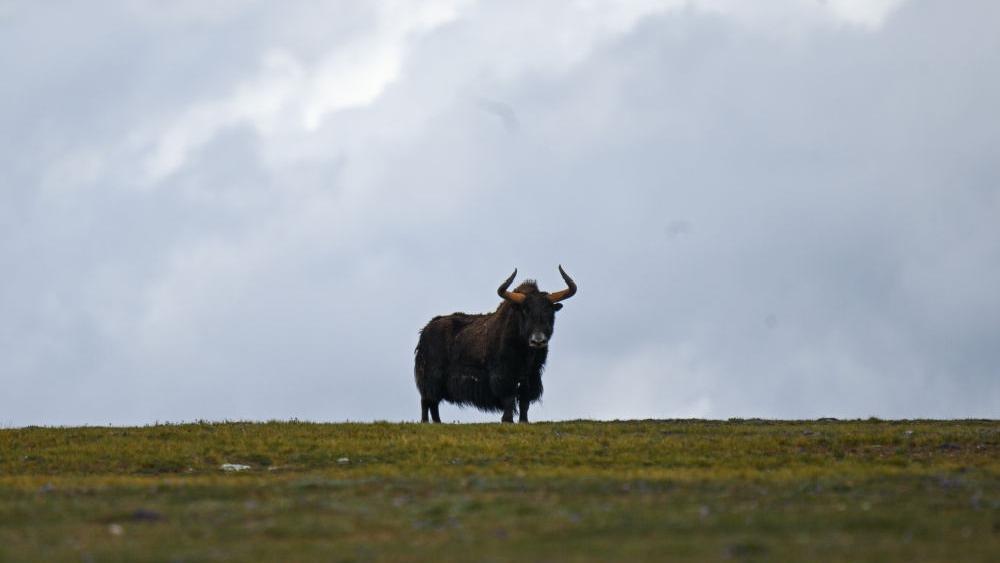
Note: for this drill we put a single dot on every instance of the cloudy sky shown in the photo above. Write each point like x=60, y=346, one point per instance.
x=247, y=210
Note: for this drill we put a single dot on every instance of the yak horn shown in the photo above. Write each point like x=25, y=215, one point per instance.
x=510, y=295
x=570, y=290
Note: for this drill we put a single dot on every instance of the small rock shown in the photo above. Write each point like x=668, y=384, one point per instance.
x=115, y=529
x=233, y=467
x=344, y=460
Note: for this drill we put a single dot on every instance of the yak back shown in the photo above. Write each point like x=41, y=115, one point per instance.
x=476, y=337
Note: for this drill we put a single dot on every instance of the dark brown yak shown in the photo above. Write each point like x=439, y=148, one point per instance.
x=489, y=360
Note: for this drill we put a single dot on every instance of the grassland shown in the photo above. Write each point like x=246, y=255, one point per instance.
x=568, y=491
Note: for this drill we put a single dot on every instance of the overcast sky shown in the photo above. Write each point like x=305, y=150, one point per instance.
x=247, y=210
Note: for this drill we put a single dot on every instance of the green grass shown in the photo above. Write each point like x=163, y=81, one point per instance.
x=568, y=491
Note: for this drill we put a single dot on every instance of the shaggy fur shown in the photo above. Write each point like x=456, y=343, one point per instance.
x=485, y=361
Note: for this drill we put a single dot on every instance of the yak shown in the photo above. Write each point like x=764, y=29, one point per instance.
x=489, y=360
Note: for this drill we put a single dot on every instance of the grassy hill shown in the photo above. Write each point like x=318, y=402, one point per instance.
x=567, y=491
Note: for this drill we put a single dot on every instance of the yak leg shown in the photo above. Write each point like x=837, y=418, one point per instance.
x=434, y=413
x=428, y=405
x=508, y=409
x=522, y=407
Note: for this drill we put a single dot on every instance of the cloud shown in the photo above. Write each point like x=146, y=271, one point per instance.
x=286, y=93
x=781, y=211
x=866, y=13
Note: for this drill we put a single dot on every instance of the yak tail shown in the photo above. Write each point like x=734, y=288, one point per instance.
x=427, y=371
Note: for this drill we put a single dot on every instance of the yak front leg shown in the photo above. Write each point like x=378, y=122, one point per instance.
x=508, y=409
x=528, y=390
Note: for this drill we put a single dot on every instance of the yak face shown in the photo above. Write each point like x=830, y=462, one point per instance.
x=536, y=319
x=535, y=310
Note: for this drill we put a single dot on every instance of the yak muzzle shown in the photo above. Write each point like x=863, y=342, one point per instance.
x=538, y=340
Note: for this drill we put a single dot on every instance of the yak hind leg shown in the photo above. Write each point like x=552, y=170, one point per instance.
x=434, y=413
x=429, y=406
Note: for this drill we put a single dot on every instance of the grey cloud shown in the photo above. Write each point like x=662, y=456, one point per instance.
x=502, y=111
x=760, y=225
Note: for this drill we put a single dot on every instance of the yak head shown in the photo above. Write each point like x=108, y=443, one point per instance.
x=535, y=310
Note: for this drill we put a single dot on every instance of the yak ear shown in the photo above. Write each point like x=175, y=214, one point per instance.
x=557, y=306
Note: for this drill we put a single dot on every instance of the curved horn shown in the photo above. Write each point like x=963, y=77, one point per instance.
x=570, y=290
x=510, y=295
